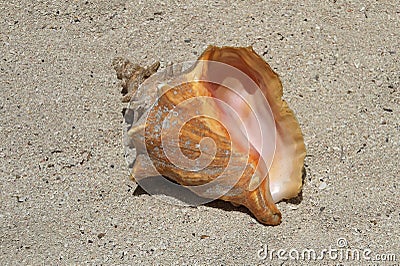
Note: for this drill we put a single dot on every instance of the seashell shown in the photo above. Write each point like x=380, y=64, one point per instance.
x=219, y=128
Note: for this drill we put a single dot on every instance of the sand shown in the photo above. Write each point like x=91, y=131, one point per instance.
x=65, y=194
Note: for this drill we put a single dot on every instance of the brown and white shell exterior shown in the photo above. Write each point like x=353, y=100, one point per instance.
x=219, y=128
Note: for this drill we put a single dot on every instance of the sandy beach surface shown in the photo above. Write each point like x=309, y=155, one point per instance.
x=65, y=193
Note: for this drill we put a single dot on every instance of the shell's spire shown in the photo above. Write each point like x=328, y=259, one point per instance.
x=220, y=128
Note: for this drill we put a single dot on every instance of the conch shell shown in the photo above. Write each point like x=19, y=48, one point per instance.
x=220, y=128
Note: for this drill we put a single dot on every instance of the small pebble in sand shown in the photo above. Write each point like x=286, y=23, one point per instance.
x=322, y=186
